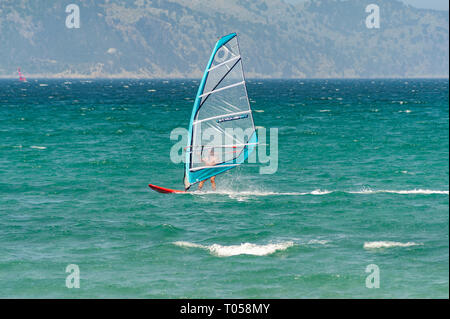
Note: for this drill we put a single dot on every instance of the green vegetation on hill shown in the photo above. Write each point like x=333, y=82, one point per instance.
x=173, y=38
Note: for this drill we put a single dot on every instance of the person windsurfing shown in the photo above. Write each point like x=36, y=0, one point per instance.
x=211, y=160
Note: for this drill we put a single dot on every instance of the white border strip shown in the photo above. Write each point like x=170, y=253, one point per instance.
x=214, y=166
x=222, y=146
x=218, y=116
x=220, y=64
x=224, y=88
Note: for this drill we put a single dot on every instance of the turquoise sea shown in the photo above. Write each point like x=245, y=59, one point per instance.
x=363, y=178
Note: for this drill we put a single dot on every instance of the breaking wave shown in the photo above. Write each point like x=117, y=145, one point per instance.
x=388, y=244
x=242, y=249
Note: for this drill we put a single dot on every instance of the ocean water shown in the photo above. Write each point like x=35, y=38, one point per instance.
x=362, y=179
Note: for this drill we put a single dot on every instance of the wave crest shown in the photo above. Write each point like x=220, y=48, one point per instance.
x=242, y=249
x=388, y=244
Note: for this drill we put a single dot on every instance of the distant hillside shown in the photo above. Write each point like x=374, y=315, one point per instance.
x=173, y=38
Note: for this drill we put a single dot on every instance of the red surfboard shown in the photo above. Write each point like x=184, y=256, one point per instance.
x=164, y=190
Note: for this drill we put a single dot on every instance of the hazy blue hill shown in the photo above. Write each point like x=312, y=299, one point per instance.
x=174, y=38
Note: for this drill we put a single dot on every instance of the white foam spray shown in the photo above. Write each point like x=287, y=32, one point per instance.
x=388, y=244
x=242, y=249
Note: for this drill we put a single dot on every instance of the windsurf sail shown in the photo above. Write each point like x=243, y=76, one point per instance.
x=21, y=77
x=221, y=125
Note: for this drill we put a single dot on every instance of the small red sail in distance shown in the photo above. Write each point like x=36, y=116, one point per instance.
x=21, y=77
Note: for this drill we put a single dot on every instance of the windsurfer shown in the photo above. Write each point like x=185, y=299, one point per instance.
x=211, y=160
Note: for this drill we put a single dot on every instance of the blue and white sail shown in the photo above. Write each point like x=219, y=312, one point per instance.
x=221, y=123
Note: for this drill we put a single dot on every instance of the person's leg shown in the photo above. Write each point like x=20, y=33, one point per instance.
x=200, y=185
x=213, y=183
